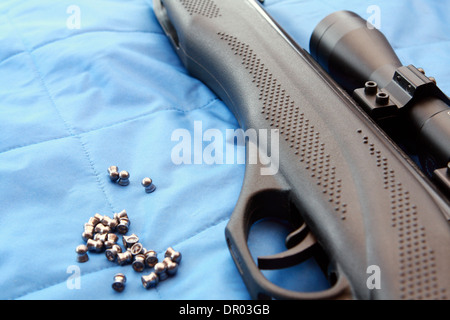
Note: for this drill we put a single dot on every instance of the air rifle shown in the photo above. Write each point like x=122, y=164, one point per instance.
x=348, y=190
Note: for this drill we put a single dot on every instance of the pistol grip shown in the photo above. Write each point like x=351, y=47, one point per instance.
x=261, y=197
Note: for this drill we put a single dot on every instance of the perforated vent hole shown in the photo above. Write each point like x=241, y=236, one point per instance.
x=295, y=127
x=206, y=8
x=418, y=278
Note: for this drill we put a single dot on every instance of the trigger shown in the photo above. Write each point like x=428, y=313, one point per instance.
x=296, y=236
x=304, y=250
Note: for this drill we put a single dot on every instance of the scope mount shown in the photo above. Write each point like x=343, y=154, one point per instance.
x=408, y=84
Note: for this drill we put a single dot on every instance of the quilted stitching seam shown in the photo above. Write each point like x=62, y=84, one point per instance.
x=141, y=116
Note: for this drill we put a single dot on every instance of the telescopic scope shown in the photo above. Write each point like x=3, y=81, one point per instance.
x=401, y=99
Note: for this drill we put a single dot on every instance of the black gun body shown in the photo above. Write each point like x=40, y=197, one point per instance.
x=361, y=198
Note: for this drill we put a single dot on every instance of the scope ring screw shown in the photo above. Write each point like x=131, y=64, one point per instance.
x=370, y=87
x=382, y=98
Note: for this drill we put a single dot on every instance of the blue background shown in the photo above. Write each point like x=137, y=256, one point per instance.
x=75, y=101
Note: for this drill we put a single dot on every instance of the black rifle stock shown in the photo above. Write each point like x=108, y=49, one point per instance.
x=364, y=204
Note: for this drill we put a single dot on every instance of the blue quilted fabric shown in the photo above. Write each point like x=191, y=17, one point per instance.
x=74, y=101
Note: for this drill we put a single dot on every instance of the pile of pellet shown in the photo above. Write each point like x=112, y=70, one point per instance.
x=101, y=236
